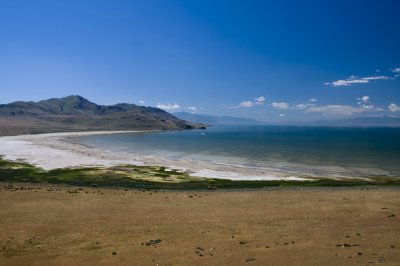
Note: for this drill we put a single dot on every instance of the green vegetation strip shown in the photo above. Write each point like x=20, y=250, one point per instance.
x=157, y=177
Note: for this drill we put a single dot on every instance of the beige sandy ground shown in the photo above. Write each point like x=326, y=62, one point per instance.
x=61, y=225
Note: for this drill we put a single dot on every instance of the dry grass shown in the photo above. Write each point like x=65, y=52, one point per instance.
x=66, y=225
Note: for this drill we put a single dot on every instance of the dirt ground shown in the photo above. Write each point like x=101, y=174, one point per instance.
x=65, y=225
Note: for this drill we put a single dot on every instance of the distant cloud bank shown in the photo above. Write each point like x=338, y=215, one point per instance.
x=336, y=109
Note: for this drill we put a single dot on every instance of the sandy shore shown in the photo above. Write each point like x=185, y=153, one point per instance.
x=52, y=150
x=63, y=225
x=58, y=150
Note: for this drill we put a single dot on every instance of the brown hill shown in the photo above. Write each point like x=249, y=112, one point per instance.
x=75, y=113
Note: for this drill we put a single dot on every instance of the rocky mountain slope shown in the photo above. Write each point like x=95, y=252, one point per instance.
x=75, y=113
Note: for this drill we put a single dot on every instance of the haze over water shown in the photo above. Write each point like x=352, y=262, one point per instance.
x=303, y=150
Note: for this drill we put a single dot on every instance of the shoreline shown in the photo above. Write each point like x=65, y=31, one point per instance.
x=59, y=150
x=48, y=151
x=56, y=150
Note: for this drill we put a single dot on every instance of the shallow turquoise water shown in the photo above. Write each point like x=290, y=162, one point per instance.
x=365, y=151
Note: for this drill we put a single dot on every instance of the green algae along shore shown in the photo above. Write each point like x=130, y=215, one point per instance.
x=159, y=177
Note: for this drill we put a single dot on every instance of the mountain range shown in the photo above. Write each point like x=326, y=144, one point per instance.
x=379, y=121
x=75, y=113
x=217, y=120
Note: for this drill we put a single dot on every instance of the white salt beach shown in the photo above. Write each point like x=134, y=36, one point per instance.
x=56, y=150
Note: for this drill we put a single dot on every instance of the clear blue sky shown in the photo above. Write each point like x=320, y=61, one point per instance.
x=214, y=56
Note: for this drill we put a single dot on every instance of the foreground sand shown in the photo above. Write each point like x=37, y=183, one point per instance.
x=63, y=225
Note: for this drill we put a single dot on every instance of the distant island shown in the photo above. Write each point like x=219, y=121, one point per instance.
x=75, y=113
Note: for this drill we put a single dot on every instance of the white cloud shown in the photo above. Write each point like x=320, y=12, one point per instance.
x=192, y=108
x=376, y=78
x=168, y=106
x=302, y=106
x=396, y=70
x=368, y=107
x=338, y=109
x=141, y=102
x=260, y=100
x=365, y=99
x=246, y=104
x=257, y=101
x=280, y=106
x=393, y=107
x=342, y=82
x=281, y=115
x=364, y=103
x=313, y=100
x=354, y=80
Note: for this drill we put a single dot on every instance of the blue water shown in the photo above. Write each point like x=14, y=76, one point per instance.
x=356, y=151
